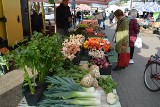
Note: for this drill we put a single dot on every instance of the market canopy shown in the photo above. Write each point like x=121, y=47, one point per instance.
x=82, y=7
x=112, y=8
x=148, y=6
x=78, y=1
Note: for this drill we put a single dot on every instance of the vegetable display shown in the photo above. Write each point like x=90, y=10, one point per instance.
x=111, y=98
x=107, y=84
x=96, y=53
x=3, y=63
x=101, y=62
x=41, y=55
x=99, y=34
x=72, y=85
x=94, y=71
x=84, y=67
x=90, y=31
x=90, y=23
x=87, y=80
x=97, y=43
x=91, y=78
x=72, y=45
x=65, y=92
x=70, y=70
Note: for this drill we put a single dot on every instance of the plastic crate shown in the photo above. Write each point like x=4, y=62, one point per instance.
x=106, y=71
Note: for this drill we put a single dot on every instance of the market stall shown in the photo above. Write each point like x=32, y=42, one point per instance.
x=75, y=67
x=73, y=72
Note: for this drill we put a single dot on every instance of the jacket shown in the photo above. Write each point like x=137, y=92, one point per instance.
x=133, y=31
x=62, y=15
x=122, y=35
x=111, y=15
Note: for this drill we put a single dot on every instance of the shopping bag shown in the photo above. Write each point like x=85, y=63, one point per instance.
x=123, y=59
x=101, y=24
x=132, y=40
x=138, y=42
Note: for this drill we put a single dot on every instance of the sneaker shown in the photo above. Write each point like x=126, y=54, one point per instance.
x=131, y=61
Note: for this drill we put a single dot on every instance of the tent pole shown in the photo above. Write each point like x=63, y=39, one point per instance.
x=131, y=4
x=43, y=18
x=29, y=14
x=55, y=28
x=74, y=18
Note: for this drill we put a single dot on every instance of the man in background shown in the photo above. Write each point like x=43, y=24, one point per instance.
x=111, y=17
x=107, y=15
x=63, y=18
x=78, y=17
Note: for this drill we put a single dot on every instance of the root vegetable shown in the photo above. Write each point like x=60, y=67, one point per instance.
x=87, y=81
x=95, y=83
x=95, y=73
x=84, y=67
x=111, y=98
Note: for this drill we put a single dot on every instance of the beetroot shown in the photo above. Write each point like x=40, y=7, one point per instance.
x=101, y=62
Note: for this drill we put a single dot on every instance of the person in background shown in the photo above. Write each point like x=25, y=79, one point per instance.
x=104, y=18
x=99, y=17
x=73, y=20
x=148, y=15
x=107, y=15
x=111, y=17
x=78, y=17
x=122, y=35
x=133, y=31
x=63, y=18
x=141, y=14
x=36, y=23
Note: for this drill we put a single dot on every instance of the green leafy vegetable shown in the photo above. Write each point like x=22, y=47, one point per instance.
x=64, y=92
x=42, y=54
x=107, y=84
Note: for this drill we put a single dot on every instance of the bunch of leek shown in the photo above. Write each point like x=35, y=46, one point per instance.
x=64, y=92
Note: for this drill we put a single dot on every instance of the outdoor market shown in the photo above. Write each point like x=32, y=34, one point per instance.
x=77, y=53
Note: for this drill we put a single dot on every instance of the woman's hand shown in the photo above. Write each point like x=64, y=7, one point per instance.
x=123, y=47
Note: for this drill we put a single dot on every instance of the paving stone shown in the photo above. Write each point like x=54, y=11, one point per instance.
x=123, y=103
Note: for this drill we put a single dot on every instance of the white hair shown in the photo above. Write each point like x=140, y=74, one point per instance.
x=133, y=13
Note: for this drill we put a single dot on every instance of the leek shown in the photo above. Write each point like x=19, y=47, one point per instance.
x=73, y=94
x=64, y=84
x=62, y=105
x=66, y=93
x=91, y=89
x=72, y=102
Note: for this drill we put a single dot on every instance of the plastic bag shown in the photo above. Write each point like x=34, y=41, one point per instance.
x=138, y=42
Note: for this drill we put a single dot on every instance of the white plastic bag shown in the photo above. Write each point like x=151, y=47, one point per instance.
x=101, y=24
x=138, y=42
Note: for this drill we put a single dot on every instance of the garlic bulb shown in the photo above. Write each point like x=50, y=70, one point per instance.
x=111, y=98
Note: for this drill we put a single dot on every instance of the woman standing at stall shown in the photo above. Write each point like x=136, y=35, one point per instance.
x=122, y=36
x=133, y=31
